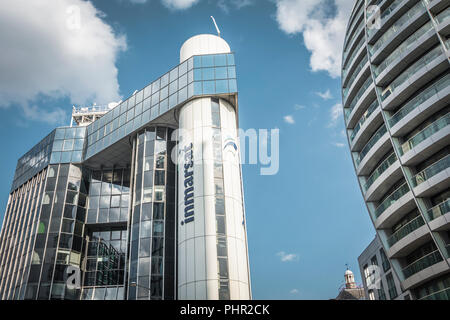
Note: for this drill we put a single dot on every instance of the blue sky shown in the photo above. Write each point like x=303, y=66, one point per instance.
x=306, y=222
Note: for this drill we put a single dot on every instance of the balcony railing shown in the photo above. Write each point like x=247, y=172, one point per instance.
x=354, y=75
x=386, y=13
x=426, y=94
x=375, y=138
x=408, y=73
x=380, y=169
x=431, y=171
x=358, y=96
x=353, y=19
x=411, y=40
x=91, y=109
x=439, y=295
x=443, y=16
x=391, y=199
x=386, y=37
x=414, y=224
x=425, y=133
x=422, y=263
x=358, y=46
x=363, y=119
x=439, y=210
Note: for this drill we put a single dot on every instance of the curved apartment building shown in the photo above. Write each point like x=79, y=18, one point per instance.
x=396, y=100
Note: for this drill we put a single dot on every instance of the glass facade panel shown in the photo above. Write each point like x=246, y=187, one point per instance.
x=155, y=247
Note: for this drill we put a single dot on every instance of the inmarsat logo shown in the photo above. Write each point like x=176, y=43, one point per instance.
x=188, y=184
x=230, y=143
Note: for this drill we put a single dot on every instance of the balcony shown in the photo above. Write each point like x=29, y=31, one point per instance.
x=420, y=138
x=439, y=210
x=363, y=119
x=361, y=69
x=350, y=66
x=386, y=14
x=382, y=179
x=360, y=103
x=424, y=104
x=443, y=16
x=422, y=263
x=358, y=95
x=377, y=136
x=357, y=14
x=357, y=10
x=411, y=81
x=391, y=199
x=374, y=156
x=440, y=295
x=431, y=171
x=411, y=70
x=409, y=50
x=399, y=31
x=354, y=46
x=436, y=6
x=369, y=122
x=405, y=230
x=380, y=169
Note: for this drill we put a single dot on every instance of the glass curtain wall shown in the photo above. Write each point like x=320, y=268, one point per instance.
x=20, y=223
x=222, y=246
x=152, y=254
x=59, y=235
x=105, y=250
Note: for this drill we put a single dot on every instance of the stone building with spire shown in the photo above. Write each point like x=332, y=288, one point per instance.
x=350, y=291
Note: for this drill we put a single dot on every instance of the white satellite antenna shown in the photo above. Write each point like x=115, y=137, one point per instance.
x=215, y=24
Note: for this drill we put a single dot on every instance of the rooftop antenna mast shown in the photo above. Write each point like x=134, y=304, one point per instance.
x=215, y=24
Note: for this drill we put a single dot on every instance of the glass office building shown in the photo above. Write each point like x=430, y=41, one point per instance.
x=396, y=100
x=144, y=202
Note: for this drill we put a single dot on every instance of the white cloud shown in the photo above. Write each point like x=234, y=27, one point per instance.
x=237, y=4
x=56, y=116
x=287, y=257
x=299, y=107
x=336, y=113
x=171, y=4
x=294, y=291
x=289, y=119
x=56, y=49
x=325, y=95
x=339, y=144
x=179, y=4
x=323, y=33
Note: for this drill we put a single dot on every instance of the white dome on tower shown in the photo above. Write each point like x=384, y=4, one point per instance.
x=203, y=44
x=349, y=279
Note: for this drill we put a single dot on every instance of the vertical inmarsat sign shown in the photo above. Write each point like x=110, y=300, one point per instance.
x=189, y=213
x=212, y=240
